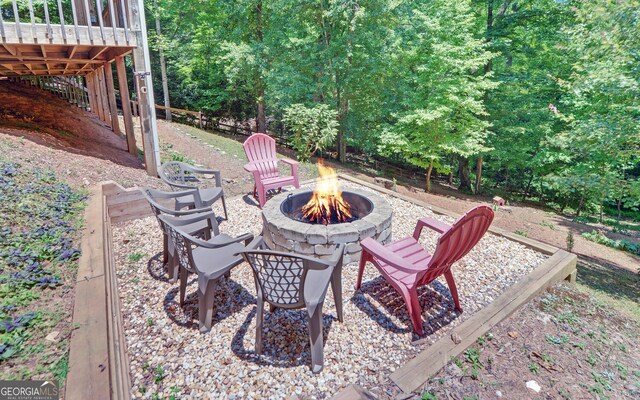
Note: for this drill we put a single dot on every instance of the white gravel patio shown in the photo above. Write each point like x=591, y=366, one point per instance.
x=168, y=355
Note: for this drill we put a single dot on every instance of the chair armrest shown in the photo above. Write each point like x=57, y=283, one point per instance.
x=382, y=253
x=294, y=168
x=195, y=217
x=247, y=237
x=432, y=224
x=338, y=255
x=250, y=167
x=187, y=212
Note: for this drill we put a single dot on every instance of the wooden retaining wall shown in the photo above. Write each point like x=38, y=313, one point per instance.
x=98, y=361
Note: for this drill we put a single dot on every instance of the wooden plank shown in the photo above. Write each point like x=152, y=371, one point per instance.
x=111, y=94
x=98, y=362
x=91, y=242
x=119, y=362
x=88, y=376
x=126, y=105
x=98, y=93
x=197, y=113
x=418, y=370
x=543, y=248
x=105, y=96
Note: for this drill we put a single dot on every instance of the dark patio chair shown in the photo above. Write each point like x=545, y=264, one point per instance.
x=165, y=203
x=210, y=259
x=292, y=281
x=181, y=176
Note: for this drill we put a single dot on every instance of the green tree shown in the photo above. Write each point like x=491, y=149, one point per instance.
x=443, y=109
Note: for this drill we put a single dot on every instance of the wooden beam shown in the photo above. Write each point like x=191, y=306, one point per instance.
x=93, y=98
x=126, y=105
x=111, y=95
x=144, y=82
x=99, y=92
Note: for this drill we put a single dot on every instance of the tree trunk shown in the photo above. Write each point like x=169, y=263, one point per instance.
x=163, y=66
x=450, y=177
x=261, y=120
x=428, y=187
x=600, y=217
x=619, y=204
x=479, y=174
x=463, y=174
x=580, y=206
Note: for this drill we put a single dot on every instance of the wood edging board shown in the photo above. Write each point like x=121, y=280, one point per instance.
x=98, y=362
x=543, y=248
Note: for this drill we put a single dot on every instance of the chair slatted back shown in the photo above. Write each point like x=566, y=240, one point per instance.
x=455, y=243
x=261, y=150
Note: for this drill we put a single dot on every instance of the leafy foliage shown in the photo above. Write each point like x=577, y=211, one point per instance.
x=545, y=91
x=36, y=242
x=313, y=128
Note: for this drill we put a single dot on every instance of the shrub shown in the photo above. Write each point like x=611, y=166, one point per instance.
x=623, y=245
x=313, y=128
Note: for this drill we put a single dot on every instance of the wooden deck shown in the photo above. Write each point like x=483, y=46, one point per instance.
x=56, y=59
x=57, y=34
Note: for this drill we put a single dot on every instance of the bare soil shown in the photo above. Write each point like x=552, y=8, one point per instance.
x=570, y=345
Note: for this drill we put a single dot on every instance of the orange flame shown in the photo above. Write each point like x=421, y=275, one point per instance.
x=326, y=199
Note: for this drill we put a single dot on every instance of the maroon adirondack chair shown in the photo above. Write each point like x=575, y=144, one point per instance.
x=263, y=164
x=407, y=266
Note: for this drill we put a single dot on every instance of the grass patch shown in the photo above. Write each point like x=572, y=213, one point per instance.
x=616, y=288
x=38, y=265
x=234, y=149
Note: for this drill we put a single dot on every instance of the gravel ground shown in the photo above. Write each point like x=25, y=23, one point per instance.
x=168, y=355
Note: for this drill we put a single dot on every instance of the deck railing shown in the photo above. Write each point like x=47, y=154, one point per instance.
x=52, y=20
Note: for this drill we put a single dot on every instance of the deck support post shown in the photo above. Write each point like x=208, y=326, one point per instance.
x=103, y=94
x=111, y=94
x=97, y=85
x=126, y=104
x=144, y=84
x=91, y=93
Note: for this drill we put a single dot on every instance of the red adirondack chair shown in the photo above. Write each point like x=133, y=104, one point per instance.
x=263, y=164
x=407, y=266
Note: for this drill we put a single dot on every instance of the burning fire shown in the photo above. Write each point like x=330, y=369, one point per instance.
x=327, y=203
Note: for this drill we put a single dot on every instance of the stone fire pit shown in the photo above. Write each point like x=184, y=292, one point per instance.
x=283, y=233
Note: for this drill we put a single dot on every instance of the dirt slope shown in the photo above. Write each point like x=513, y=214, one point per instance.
x=38, y=128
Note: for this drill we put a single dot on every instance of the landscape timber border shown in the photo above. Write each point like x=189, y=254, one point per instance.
x=98, y=361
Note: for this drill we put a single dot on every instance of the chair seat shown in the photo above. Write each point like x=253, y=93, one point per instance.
x=412, y=252
x=278, y=181
x=207, y=195
x=211, y=264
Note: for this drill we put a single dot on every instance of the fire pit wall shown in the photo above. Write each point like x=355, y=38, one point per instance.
x=285, y=234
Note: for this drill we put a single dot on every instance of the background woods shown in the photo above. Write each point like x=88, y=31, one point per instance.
x=533, y=99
